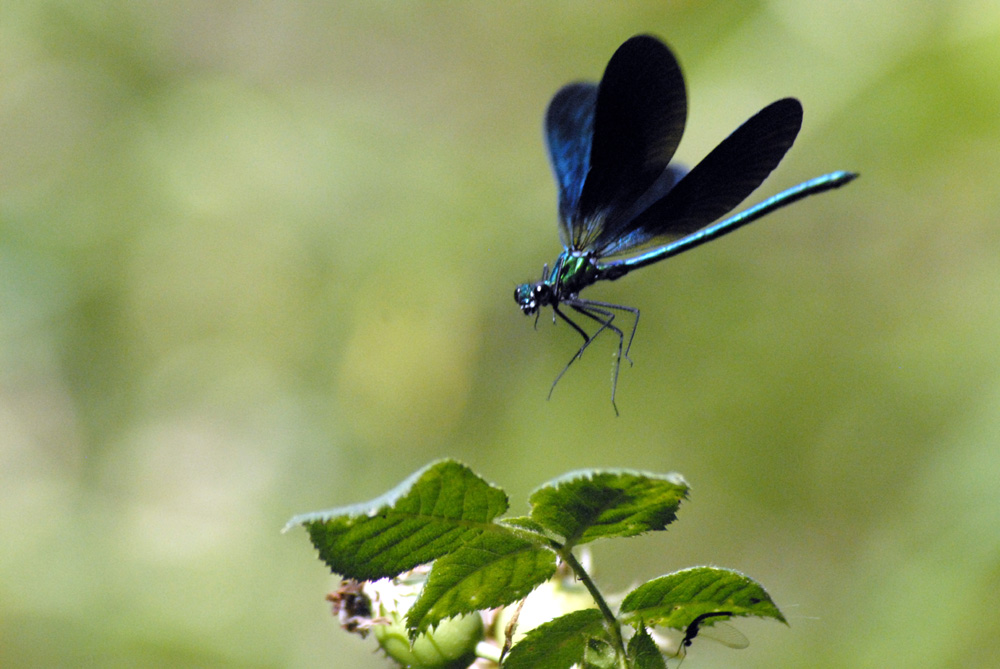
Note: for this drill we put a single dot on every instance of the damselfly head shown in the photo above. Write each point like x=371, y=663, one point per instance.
x=532, y=296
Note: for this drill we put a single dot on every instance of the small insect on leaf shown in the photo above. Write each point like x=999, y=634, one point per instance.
x=719, y=631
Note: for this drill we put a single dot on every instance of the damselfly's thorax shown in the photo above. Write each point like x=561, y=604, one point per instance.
x=572, y=272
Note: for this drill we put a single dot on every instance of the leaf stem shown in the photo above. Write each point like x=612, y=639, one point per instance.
x=615, y=628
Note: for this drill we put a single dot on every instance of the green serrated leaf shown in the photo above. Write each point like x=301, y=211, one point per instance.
x=559, y=643
x=495, y=569
x=643, y=652
x=436, y=510
x=677, y=599
x=586, y=505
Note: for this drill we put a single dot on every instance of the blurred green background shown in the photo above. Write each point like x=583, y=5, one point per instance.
x=258, y=259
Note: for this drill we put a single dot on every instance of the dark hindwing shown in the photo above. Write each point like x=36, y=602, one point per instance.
x=716, y=185
x=636, y=123
x=569, y=130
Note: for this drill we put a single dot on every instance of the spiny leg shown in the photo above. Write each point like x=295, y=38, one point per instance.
x=586, y=342
x=588, y=309
x=600, y=312
x=632, y=310
x=585, y=309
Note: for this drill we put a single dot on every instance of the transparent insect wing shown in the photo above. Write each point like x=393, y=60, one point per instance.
x=725, y=634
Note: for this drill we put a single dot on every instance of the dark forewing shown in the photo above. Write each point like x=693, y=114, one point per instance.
x=716, y=185
x=569, y=129
x=639, y=118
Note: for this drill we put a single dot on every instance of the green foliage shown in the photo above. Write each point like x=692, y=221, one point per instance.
x=675, y=600
x=560, y=643
x=643, y=653
x=437, y=510
x=447, y=515
x=583, y=506
x=492, y=570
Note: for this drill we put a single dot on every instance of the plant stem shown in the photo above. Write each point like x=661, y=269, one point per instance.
x=615, y=628
x=488, y=651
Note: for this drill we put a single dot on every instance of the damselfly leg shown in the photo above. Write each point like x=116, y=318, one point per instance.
x=603, y=313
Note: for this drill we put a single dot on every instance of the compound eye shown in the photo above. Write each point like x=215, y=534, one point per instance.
x=526, y=298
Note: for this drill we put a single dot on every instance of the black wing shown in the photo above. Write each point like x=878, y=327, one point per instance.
x=716, y=185
x=569, y=129
x=638, y=120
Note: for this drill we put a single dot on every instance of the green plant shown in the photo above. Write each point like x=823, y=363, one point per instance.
x=447, y=517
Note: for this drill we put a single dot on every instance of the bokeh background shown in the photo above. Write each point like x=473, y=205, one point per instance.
x=257, y=259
